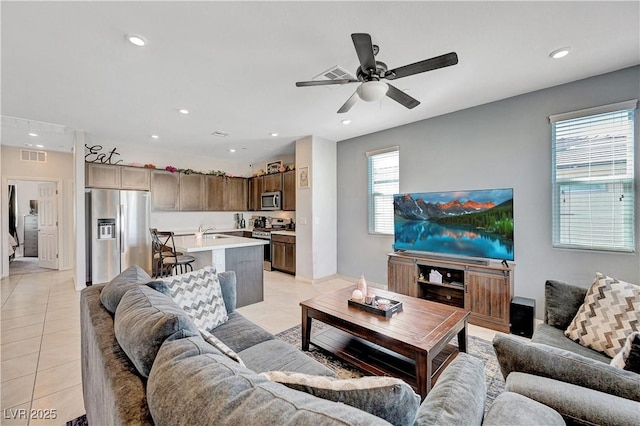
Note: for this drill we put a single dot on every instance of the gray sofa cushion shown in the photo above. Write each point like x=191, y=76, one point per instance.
x=113, y=392
x=144, y=320
x=548, y=361
x=548, y=335
x=211, y=389
x=229, y=293
x=576, y=404
x=562, y=301
x=458, y=397
x=276, y=355
x=514, y=409
x=131, y=277
x=239, y=333
x=385, y=397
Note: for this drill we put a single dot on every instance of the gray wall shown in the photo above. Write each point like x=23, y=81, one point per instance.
x=505, y=144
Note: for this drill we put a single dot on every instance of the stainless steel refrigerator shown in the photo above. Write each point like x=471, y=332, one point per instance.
x=117, y=232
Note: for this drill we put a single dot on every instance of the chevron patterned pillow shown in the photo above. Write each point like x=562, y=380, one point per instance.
x=610, y=313
x=200, y=295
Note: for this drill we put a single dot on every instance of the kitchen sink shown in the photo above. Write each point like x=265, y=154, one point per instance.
x=215, y=236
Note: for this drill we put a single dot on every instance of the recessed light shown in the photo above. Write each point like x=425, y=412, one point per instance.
x=40, y=146
x=28, y=144
x=274, y=134
x=232, y=150
x=560, y=53
x=183, y=111
x=155, y=136
x=33, y=134
x=345, y=122
x=136, y=40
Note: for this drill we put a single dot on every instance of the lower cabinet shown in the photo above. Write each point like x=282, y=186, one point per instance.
x=283, y=253
x=484, y=290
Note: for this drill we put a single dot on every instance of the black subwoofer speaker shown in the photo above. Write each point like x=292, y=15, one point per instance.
x=522, y=314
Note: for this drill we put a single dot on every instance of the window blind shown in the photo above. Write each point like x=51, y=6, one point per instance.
x=593, y=179
x=383, y=181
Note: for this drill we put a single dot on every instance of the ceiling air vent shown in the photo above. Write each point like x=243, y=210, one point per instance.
x=334, y=73
x=220, y=134
x=35, y=156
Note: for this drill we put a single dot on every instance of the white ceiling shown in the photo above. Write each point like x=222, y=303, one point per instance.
x=234, y=66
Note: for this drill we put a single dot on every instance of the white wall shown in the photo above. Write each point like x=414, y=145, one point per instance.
x=59, y=168
x=316, y=209
x=505, y=144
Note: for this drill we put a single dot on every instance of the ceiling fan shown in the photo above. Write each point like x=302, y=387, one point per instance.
x=370, y=72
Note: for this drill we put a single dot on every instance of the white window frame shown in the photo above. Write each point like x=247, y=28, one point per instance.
x=380, y=213
x=593, y=205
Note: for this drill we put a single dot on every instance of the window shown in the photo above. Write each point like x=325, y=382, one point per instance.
x=383, y=166
x=593, y=185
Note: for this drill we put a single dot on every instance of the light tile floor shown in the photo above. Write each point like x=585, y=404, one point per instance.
x=40, y=338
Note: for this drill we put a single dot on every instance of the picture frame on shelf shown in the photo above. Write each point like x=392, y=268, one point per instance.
x=274, y=166
x=304, y=180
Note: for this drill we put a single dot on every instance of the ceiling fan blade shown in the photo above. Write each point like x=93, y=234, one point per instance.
x=364, y=49
x=350, y=102
x=325, y=82
x=401, y=97
x=422, y=66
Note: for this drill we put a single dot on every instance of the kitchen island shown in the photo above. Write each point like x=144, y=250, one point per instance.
x=230, y=253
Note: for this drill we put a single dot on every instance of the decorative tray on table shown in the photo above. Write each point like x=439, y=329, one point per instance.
x=394, y=306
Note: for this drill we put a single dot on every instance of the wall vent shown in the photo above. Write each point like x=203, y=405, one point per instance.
x=35, y=156
x=334, y=73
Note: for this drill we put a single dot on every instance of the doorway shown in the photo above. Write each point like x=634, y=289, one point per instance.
x=33, y=226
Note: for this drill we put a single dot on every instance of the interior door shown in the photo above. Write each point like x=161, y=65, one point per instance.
x=48, y=225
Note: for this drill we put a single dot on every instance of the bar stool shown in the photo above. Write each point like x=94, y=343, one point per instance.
x=165, y=258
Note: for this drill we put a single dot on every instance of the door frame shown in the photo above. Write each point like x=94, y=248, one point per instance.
x=4, y=206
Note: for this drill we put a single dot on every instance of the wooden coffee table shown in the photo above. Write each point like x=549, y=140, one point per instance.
x=412, y=345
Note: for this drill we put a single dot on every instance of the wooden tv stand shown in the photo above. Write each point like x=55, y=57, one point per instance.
x=484, y=290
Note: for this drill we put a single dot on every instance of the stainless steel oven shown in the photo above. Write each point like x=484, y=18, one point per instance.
x=264, y=235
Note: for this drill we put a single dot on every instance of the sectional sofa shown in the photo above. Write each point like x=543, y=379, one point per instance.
x=147, y=363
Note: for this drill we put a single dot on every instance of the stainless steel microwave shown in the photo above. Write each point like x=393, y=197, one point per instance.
x=270, y=201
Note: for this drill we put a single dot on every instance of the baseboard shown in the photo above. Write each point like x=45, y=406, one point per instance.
x=369, y=283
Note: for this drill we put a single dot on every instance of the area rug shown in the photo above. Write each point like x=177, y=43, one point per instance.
x=479, y=348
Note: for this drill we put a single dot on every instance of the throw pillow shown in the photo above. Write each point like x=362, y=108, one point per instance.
x=217, y=343
x=131, y=277
x=146, y=318
x=610, y=312
x=629, y=356
x=386, y=397
x=200, y=295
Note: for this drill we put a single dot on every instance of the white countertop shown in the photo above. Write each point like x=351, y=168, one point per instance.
x=291, y=233
x=210, y=231
x=189, y=243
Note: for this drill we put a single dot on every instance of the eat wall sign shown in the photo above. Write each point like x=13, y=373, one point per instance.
x=95, y=154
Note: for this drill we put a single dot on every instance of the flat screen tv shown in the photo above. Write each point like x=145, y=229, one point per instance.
x=476, y=224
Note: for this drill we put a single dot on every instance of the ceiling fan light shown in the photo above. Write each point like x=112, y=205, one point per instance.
x=370, y=91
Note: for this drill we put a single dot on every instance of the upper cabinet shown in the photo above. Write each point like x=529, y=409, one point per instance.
x=272, y=183
x=235, y=194
x=192, y=192
x=282, y=182
x=108, y=176
x=289, y=190
x=165, y=190
x=214, y=193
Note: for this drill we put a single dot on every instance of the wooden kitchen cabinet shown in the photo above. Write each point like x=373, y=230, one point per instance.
x=108, y=176
x=272, y=182
x=192, y=192
x=235, y=194
x=99, y=175
x=214, y=193
x=289, y=190
x=483, y=289
x=165, y=190
x=255, y=190
x=134, y=178
x=283, y=253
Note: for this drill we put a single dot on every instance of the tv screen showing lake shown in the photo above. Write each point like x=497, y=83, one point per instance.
x=463, y=223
